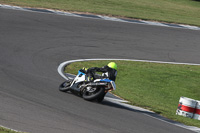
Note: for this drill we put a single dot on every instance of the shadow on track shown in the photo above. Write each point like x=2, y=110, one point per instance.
x=148, y=113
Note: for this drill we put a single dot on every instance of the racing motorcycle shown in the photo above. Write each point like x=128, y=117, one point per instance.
x=84, y=85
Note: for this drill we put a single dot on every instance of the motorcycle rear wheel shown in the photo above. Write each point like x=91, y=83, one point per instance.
x=93, y=95
x=101, y=97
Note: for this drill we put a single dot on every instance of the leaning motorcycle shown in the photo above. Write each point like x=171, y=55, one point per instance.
x=87, y=88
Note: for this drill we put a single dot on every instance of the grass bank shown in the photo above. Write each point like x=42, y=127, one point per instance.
x=157, y=87
x=173, y=11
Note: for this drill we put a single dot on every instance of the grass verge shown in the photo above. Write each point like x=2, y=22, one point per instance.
x=5, y=130
x=173, y=11
x=157, y=87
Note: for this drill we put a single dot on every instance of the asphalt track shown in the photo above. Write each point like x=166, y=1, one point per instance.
x=32, y=45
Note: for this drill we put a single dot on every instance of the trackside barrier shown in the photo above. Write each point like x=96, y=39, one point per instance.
x=197, y=111
x=188, y=107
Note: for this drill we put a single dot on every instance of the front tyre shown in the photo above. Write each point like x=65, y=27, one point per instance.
x=93, y=95
x=65, y=86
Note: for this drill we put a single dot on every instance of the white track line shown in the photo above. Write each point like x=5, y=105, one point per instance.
x=62, y=65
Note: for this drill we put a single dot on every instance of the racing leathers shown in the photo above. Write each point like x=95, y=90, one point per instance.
x=107, y=72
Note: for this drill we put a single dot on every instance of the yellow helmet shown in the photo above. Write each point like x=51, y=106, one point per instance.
x=112, y=65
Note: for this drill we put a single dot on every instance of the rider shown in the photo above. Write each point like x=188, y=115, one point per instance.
x=109, y=71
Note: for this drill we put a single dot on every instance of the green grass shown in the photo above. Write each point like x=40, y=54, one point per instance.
x=5, y=130
x=173, y=11
x=157, y=87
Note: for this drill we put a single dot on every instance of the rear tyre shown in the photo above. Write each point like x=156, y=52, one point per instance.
x=93, y=95
x=100, y=98
x=65, y=86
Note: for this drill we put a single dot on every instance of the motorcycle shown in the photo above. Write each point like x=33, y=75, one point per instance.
x=84, y=85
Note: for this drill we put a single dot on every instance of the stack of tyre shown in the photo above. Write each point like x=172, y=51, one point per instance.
x=189, y=108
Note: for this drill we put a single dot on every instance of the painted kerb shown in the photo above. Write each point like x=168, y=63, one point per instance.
x=102, y=17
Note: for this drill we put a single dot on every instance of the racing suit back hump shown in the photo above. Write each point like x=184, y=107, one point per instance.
x=107, y=72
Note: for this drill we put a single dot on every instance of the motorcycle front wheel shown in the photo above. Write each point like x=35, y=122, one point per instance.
x=65, y=86
x=93, y=95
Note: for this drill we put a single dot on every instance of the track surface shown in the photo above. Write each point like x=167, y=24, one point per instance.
x=32, y=45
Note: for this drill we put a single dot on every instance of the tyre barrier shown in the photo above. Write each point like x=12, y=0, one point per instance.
x=197, y=111
x=188, y=107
